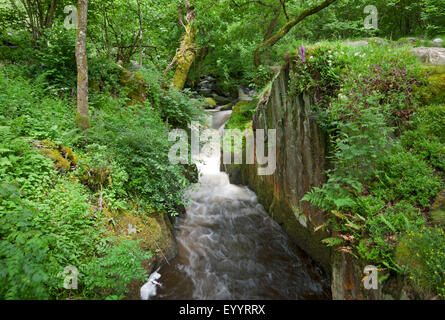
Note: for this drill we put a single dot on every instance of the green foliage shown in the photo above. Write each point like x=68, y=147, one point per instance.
x=422, y=252
x=383, y=231
x=179, y=108
x=137, y=141
x=406, y=177
x=47, y=220
x=22, y=252
x=427, y=118
x=103, y=75
x=318, y=71
x=242, y=114
x=379, y=184
x=115, y=268
x=365, y=95
x=55, y=59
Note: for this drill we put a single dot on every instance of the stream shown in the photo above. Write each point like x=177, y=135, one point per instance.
x=229, y=248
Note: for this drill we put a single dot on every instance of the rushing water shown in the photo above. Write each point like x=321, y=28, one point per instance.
x=229, y=248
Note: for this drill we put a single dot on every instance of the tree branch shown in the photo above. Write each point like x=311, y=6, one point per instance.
x=283, y=5
x=287, y=27
x=251, y=2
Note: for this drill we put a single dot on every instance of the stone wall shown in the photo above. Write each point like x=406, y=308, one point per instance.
x=301, y=156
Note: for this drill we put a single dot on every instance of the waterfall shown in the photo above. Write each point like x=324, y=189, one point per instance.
x=229, y=247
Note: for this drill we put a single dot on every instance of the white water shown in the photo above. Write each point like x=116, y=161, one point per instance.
x=229, y=248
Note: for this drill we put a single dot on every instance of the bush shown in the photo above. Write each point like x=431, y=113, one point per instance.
x=179, y=108
x=55, y=58
x=422, y=252
x=406, y=178
x=137, y=141
x=47, y=221
x=112, y=272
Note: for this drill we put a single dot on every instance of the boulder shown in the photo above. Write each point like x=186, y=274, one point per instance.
x=135, y=82
x=62, y=156
x=206, y=85
x=220, y=99
x=226, y=107
x=154, y=231
x=434, y=56
x=246, y=94
x=210, y=103
x=437, y=43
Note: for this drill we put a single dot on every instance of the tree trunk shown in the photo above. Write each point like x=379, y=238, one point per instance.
x=82, y=117
x=286, y=28
x=50, y=14
x=140, y=32
x=186, y=53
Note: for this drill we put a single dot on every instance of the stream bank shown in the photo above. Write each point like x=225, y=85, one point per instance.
x=229, y=247
x=301, y=161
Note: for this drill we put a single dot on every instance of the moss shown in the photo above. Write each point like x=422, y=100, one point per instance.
x=59, y=162
x=209, y=102
x=242, y=114
x=95, y=178
x=406, y=257
x=82, y=122
x=433, y=89
x=135, y=84
x=438, y=217
x=152, y=228
x=184, y=58
x=62, y=156
x=227, y=107
x=69, y=154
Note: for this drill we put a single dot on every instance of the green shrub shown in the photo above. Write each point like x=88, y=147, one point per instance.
x=422, y=252
x=55, y=59
x=406, y=178
x=137, y=141
x=242, y=114
x=111, y=273
x=179, y=108
x=383, y=231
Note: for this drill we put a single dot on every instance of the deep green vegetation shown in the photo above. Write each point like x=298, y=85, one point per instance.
x=63, y=190
x=53, y=210
x=387, y=154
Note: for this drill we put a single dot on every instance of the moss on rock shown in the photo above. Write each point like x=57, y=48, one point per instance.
x=210, y=103
x=63, y=156
x=153, y=228
x=135, y=84
x=227, y=107
x=433, y=89
x=242, y=114
x=154, y=231
x=95, y=178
